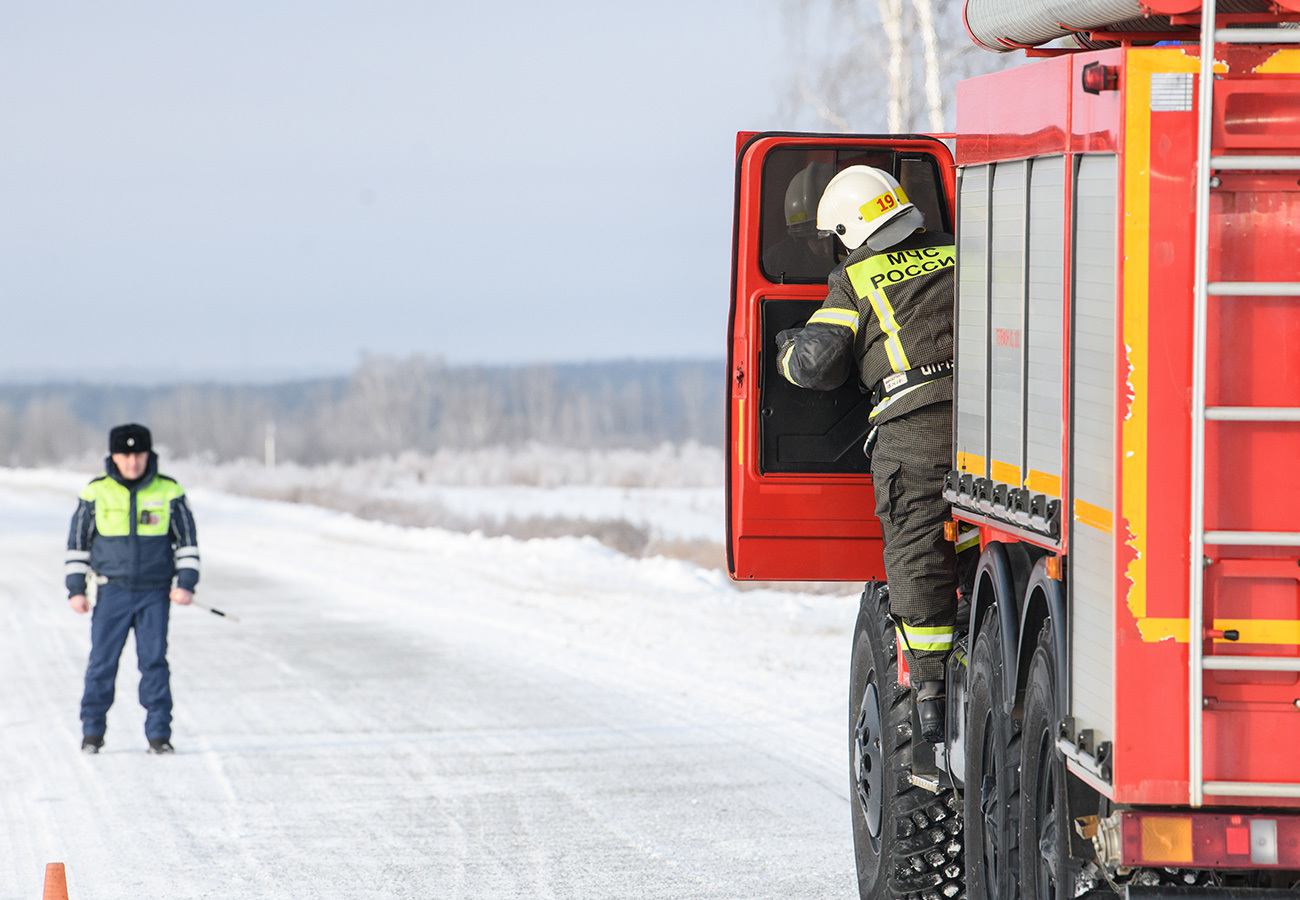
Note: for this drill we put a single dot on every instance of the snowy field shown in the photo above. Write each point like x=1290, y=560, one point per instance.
x=421, y=712
x=640, y=502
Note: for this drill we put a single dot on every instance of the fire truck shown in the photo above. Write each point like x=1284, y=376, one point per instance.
x=1123, y=706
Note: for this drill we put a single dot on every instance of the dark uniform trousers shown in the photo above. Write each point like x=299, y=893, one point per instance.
x=912, y=454
x=118, y=610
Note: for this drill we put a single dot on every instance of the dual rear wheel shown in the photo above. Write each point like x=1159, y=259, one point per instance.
x=1047, y=869
x=992, y=795
x=1018, y=842
x=909, y=842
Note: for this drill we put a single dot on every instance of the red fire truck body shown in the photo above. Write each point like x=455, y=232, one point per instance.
x=1139, y=514
x=1129, y=468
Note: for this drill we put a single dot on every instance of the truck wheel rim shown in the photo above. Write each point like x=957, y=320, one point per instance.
x=1048, y=852
x=991, y=810
x=869, y=772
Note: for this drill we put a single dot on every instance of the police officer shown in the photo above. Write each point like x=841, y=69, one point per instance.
x=889, y=314
x=133, y=528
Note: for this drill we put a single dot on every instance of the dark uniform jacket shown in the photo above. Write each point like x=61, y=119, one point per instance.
x=889, y=314
x=140, y=534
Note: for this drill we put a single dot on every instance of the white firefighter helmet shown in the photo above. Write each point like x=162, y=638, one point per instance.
x=801, y=198
x=863, y=204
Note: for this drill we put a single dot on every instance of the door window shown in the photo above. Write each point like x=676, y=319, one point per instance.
x=793, y=252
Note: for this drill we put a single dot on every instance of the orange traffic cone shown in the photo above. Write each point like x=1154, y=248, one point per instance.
x=56, y=882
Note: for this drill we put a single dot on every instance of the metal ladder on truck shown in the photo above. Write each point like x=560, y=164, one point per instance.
x=1199, y=661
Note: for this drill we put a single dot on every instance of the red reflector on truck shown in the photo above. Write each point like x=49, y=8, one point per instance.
x=904, y=673
x=1097, y=78
x=1210, y=840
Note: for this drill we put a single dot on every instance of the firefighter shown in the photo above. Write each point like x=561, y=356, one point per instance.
x=803, y=252
x=134, y=530
x=889, y=315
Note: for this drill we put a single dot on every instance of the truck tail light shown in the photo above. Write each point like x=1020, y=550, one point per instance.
x=1167, y=840
x=1210, y=840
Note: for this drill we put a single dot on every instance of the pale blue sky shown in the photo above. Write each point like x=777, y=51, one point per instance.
x=230, y=187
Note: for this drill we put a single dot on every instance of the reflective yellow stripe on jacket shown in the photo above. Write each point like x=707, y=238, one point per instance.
x=831, y=316
x=785, y=365
x=893, y=398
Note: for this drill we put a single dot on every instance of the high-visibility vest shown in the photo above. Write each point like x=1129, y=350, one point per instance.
x=138, y=537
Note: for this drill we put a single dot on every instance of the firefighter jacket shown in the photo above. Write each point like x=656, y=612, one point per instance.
x=890, y=314
x=140, y=534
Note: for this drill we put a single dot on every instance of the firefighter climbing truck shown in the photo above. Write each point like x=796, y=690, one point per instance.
x=1124, y=703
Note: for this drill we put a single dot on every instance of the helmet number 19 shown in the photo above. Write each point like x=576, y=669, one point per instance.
x=878, y=206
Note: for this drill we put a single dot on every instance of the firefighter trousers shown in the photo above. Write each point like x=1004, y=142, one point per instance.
x=913, y=453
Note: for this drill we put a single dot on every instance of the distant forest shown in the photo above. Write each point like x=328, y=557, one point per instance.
x=386, y=406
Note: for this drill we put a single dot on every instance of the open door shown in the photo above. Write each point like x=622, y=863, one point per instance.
x=800, y=505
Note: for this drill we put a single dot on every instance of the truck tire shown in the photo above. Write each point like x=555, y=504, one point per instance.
x=907, y=841
x=992, y=785
x=1046, y=868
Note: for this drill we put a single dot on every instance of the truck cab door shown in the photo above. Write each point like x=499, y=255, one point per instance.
x=800, y=504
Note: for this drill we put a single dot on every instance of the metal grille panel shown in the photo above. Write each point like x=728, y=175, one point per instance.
x=1092, y=627
x=1007, y=313
x=1092, y=553
x=972, y=319
x=1046, y=288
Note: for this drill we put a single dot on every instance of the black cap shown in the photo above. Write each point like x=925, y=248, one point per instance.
x=131, y=438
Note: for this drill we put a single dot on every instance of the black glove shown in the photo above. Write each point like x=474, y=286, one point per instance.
x=785, y=337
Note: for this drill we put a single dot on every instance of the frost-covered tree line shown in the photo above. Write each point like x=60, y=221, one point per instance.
x=880, y=65
x=386, y=406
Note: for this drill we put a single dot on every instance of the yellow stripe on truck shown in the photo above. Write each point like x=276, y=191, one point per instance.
x=1043, y=483
x=1278, y=632
x=1006, y=473
x=970, y=462
x=1101, y=519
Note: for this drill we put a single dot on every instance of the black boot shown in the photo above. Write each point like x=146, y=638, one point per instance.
x=930, y=703
x=160, y=746
x=91, y=743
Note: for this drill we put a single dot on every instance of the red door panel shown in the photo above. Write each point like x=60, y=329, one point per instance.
x=800, y=505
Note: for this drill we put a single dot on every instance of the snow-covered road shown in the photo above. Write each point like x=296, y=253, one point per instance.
x=416, y=713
